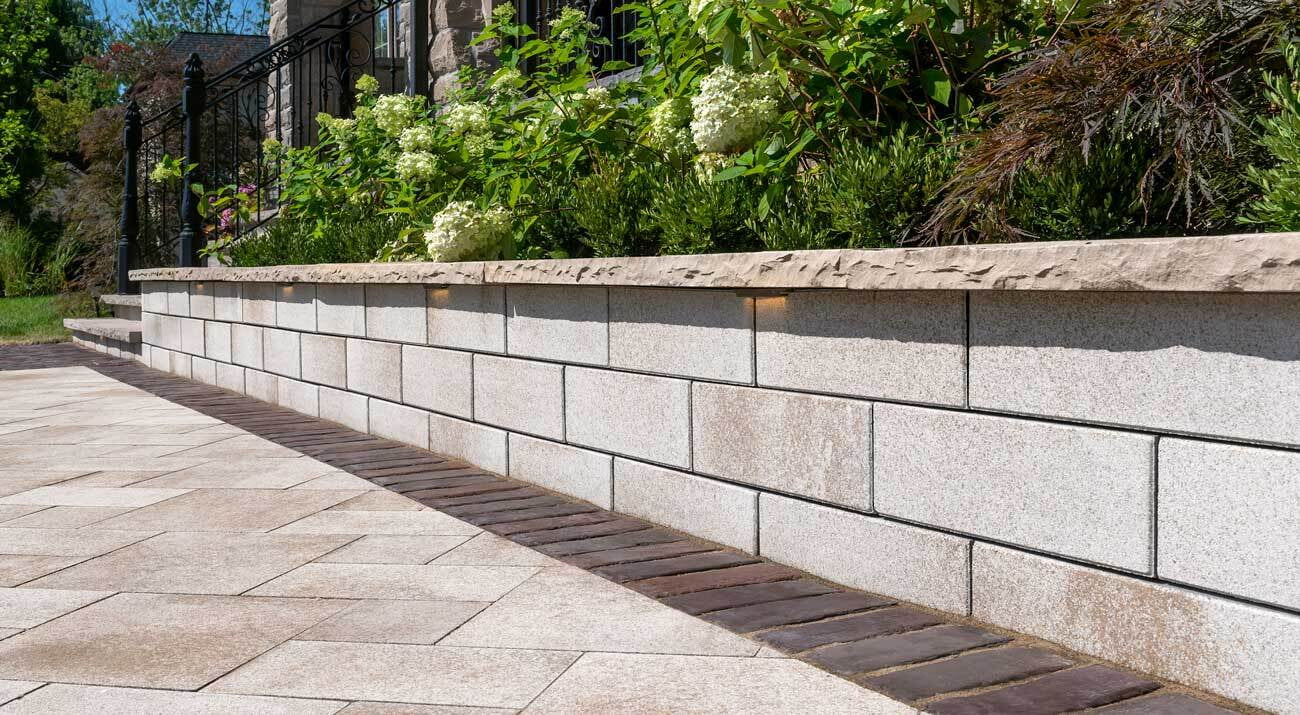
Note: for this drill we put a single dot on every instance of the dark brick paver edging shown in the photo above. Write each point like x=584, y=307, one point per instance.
x=940, y=663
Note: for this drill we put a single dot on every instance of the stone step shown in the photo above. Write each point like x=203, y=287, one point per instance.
x=118, y=329
x=126, y=307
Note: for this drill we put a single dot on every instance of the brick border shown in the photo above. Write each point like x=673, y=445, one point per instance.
x=934, y=661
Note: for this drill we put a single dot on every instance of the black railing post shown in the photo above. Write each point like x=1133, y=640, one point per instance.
x=343, y=65
x=130, y=226
x=417, y=49
x=193, y=98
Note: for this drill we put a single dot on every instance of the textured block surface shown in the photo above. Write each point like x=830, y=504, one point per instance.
x=1226, y=365
x=892, y=345
x=683, y=333
x=246, y=345
x=258, y=303
x=296, y=307
x=1230, y=519
x=569, y=470
x=281, y=352
x=192, y=336
x=399, y=422
x=230, y=377
x=1237, y=650
x=569, y=324
x=813, y=446
x=1019, y=481
x=324, y=359
x=872, y=554
x=438, y=380
x=227, y=301
x=375, y=368
x=635, y=415
x=216, y=340
x=346, y=408
x=709, y=509
x=203, y=300
x=468, y=317
x=299, y=397
x=262, y=386
x=520, y=395
x=341, y=309
x=482, y=446
x=396, y=312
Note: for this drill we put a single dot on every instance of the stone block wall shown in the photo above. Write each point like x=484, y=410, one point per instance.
x=1118, y=472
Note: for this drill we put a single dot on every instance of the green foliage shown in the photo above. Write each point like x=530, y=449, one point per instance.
x=156, y=22
x=609, y=208
x=33, y=262
x=697, y=215
x=39, y=319
x=357, y=237
x=1278, y=207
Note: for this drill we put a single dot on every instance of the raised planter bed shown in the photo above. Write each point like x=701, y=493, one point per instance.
x=1096, y=442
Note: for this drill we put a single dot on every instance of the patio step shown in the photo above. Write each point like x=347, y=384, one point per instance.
x=126, y=307
x=117, y=337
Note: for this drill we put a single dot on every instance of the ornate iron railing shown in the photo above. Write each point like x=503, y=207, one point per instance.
x=219, y=126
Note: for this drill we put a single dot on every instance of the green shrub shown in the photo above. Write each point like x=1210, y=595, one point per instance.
x=34, y=261
x=1278, y=208
x=355, y=237
x=699, y=215
x=609, y=206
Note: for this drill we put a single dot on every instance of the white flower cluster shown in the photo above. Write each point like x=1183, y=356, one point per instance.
x=462, y=231
x=466, y=118
x=708, y=165
x=733, y=109
x=416, y=165
x=395, y=112
x=669, y=129
x=367, y=85
x=339, y=130
x=417, y=138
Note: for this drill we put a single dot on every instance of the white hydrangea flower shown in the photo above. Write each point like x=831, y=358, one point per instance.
x=732, y=110
x=417, y=138
x=669, y=129
x=462, y=231
x=466, y=118
x=416, y=165
x=339, y=129
x=708, y=165
x=367, y=85
x=395, y=112
x=587, y=103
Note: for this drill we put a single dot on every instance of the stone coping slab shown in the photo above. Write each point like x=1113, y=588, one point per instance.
x=1243, y=263
x=116, y=299
x=127, y=331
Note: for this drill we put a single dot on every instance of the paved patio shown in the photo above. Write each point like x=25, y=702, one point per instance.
x=156, y=560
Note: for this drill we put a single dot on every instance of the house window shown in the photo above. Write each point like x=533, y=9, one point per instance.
x=387, y=26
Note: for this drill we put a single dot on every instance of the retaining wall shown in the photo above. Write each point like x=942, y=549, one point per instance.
x=1115, y=470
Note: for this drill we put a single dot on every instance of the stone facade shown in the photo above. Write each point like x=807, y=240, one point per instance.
x=995, y=454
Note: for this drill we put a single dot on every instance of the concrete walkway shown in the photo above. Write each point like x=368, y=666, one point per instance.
x=155, y=560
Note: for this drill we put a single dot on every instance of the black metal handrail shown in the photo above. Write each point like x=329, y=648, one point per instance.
x=218, y=127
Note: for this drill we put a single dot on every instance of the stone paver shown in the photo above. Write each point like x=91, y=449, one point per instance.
x=233, y=568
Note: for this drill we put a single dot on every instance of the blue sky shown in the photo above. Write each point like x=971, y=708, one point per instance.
x=120, y=11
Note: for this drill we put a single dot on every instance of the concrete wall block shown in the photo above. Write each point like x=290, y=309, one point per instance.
x=160, y=359
x=216, y=340
x=181, y=365
x=228, y=301
x=230, y=377
x=151, y=328
x=399, y=422
x=438, y=380
x=325, y=359
x=468, y=317
x=396, y=312
x=296, y=307
x=203, y=369
x=686, y=333
x=192, y=340
x=262, y=386
x=564, y=323
x=1216, y=364
x=300, y=397
x=246, y=345
x=520, y=395
x=341, y=309
x=282, y=352
x=576, y=472
x=346, y=408
x=908, y=346
x=1019, y=481
x=169, y=332
x=809, y=445
x=375, y=369
x=481, y=446
x=869, y=553
x=203, y=301
x=178, y=298
x=1245, y=652
x=153, y=296
x=633, y=415
x=707, y=508
x=257, y=302
x=1230, y=519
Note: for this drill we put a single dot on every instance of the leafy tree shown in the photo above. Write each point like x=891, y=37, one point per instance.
x=156, y=22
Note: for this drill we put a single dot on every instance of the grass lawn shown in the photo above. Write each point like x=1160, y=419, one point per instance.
x=39, y=319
